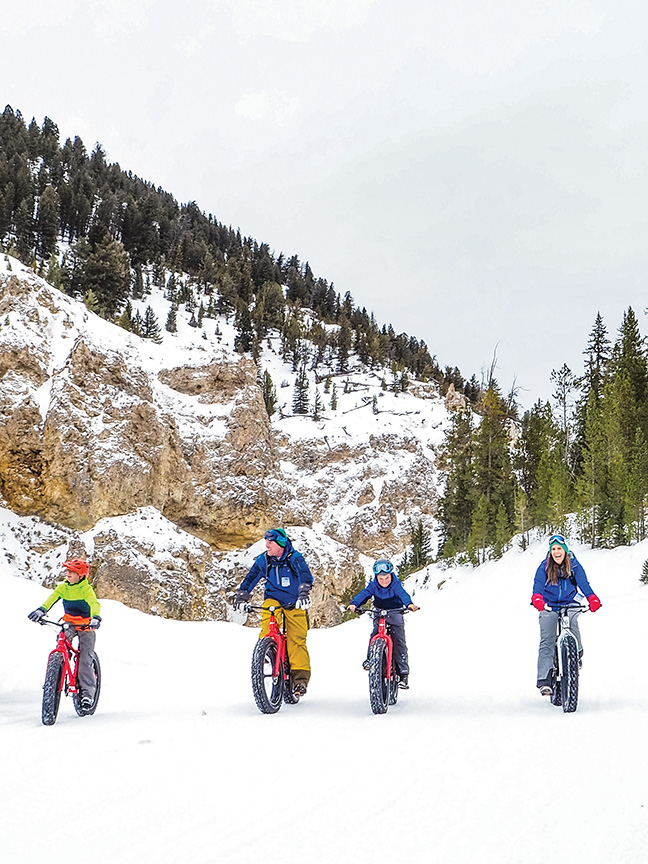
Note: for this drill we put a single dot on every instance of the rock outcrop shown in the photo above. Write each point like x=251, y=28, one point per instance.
x=96, y=423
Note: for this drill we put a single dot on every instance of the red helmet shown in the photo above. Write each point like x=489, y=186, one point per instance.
x=77, y=565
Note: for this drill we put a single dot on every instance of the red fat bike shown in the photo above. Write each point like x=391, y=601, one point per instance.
x=271, y=683
x=383, y=677
x=61, y=677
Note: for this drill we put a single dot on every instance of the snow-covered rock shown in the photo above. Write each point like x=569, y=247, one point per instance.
x=97, y=423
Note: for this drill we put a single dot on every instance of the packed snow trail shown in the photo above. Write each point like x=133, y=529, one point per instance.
x=471, y=766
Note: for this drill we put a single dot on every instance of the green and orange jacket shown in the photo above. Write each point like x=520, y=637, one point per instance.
x=79, y=601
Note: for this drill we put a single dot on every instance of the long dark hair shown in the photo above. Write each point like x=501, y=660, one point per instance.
x=553, y=570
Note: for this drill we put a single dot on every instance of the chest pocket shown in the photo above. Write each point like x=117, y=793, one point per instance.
x=282, y=572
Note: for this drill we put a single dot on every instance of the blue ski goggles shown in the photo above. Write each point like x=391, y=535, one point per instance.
x=557, y=538
x=383, y=566
x=278, y=536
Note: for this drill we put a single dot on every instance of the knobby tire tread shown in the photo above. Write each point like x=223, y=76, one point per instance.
x=378, y=683
x=268, y=694
x=569, y=681
x=52, y=689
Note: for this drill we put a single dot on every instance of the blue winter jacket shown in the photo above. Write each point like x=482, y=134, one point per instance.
x=563, y=593
x=283, y=575
x=392, y=597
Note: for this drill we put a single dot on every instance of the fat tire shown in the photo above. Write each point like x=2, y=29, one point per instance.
x=378, y=681
x=52, y=689
x=76, y=697
x=268, y=691
x=569, y=680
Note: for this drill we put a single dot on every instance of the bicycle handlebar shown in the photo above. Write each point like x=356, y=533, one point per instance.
x=249, y=607
x=582, y=606
x=381, y=612
x=63, y=624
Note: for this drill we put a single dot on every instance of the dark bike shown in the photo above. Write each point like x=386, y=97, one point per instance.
x=271, y=682
x=383, y=676
x=61, y=676
x=565, y=671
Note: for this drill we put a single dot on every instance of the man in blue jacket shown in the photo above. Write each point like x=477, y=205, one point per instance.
x=388, y=593
x=288, y=583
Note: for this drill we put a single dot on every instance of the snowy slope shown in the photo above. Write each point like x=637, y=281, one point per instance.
x=362, y=470
x=471, y=767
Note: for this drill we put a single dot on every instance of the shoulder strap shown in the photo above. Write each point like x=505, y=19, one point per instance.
x=287, y=561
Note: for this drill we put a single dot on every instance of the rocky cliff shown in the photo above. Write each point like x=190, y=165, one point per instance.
x=96, y=423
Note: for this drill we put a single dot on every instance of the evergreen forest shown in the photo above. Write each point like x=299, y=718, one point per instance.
x=102, y=234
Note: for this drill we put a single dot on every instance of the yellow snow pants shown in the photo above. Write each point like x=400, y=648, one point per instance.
x=296, y=629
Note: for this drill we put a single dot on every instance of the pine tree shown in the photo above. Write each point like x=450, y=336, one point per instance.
x=47, y=222
x=124, y=319
x=300, y=397
x=563, y=381
x=421, y=546
x=344, y=342
x=138, y=283
x=334, y=398
x=90, y=301
x=458, y=501
x=150, y=327
x=245, y=334
x=317, y=406
x=269, y=392
x=172, y=320
x=502, y=531
x=137, y=323
x=478, y=537
x=106, y=271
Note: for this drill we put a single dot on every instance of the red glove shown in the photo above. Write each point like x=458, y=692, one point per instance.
x=538, y=602
x=594, y=602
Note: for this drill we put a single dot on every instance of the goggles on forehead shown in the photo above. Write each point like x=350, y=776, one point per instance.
x=557, y=538
x=277, y=535
x=383, y=566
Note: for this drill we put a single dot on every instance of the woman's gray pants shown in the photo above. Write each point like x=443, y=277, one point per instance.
x=548, y=636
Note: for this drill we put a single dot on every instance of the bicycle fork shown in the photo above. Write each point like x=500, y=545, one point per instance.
x=564, y=633
x=390, y=648
x=273, y=632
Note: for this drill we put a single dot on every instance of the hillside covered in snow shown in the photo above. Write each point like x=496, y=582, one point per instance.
x=110, y=441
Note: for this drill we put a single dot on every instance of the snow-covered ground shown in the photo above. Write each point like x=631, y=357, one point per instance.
x=471, y=767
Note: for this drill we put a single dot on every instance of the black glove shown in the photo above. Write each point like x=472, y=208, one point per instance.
x=95, y=622
x=242, y=597
x=37, y=614
x=303, y=597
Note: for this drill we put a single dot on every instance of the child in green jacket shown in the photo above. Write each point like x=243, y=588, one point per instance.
x=81, y=610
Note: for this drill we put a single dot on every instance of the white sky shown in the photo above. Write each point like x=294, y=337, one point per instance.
x=473, y=172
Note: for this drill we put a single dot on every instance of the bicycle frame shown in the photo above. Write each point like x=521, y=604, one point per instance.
x=276, y=633
x=564, y=630
x=70, y=658
x=383, y=634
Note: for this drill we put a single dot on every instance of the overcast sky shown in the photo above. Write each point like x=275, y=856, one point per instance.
x=473, y=171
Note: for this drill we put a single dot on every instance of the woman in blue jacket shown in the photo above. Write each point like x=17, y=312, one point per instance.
x=388, y=593
x=557, y=581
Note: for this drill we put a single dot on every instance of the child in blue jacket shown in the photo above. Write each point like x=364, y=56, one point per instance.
x=388, y=593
